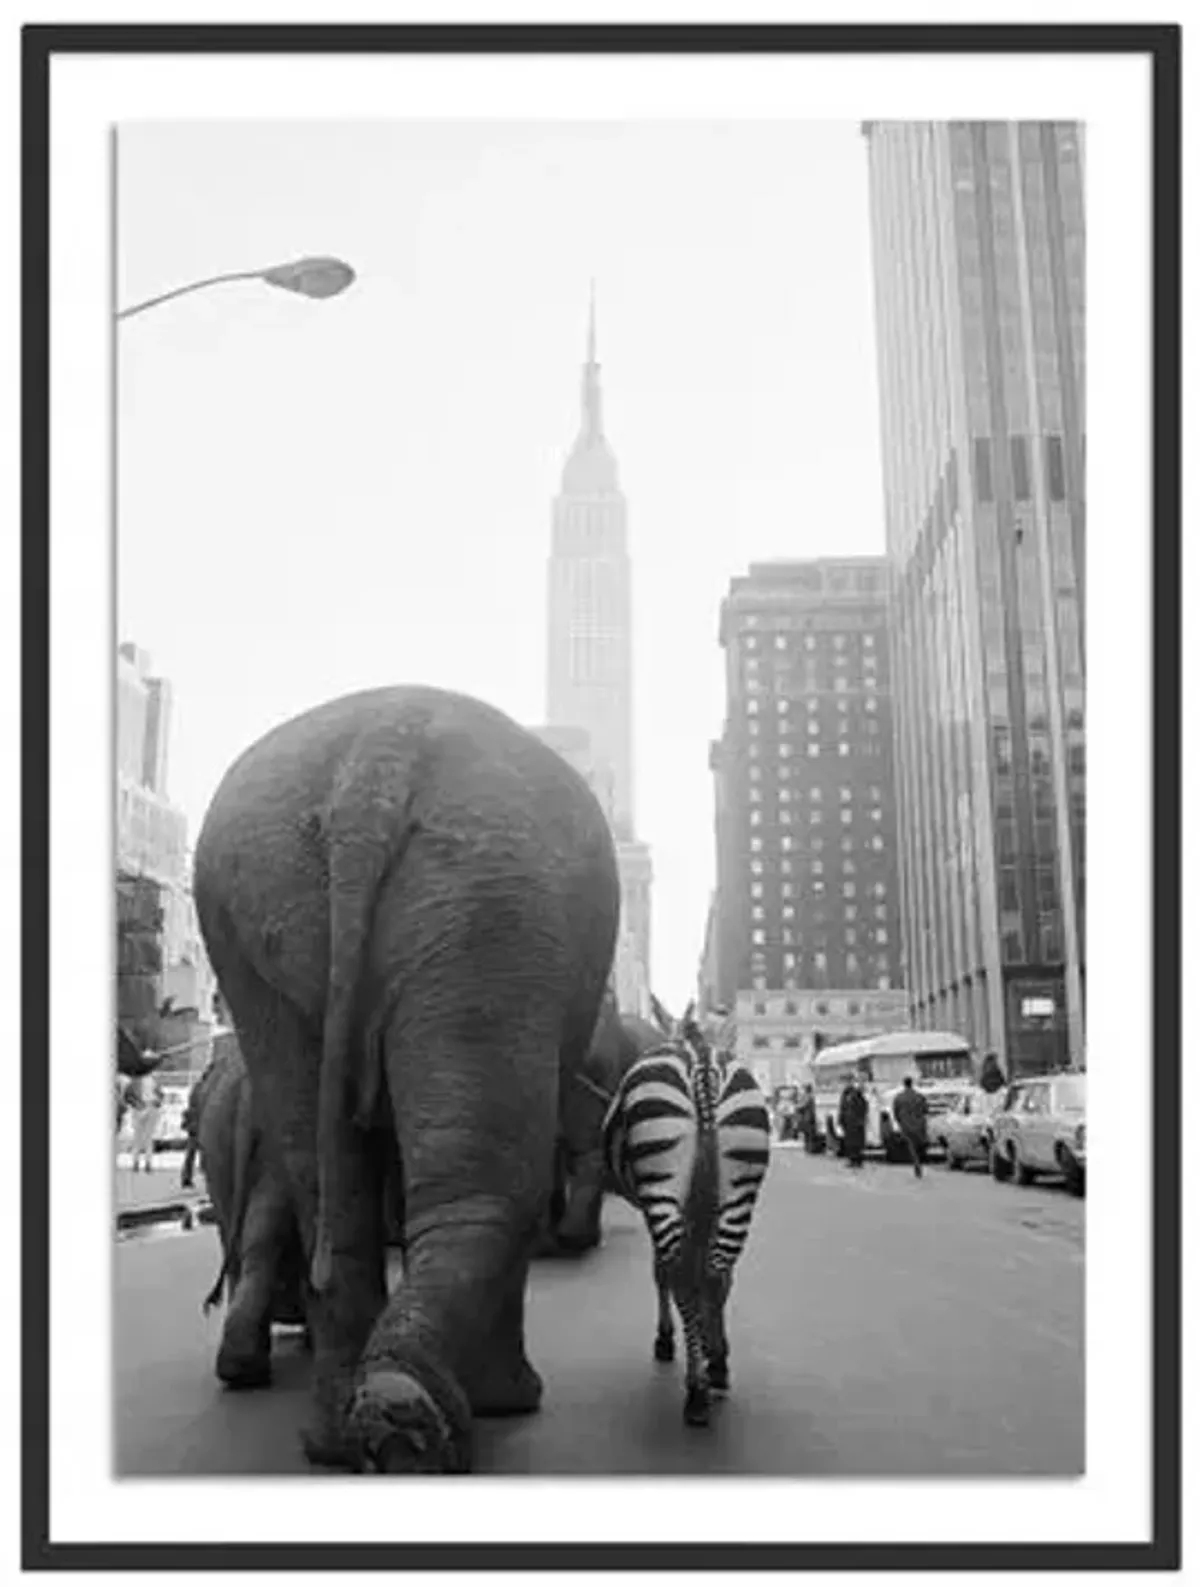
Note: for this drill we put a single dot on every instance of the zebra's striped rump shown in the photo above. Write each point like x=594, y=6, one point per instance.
x=687, y=1141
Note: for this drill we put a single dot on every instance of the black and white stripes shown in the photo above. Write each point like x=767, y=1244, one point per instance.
x=687, y=1141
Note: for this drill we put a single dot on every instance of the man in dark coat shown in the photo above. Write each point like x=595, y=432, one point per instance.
x=808, y=1119
x=852, y=1121
x=910, y=1111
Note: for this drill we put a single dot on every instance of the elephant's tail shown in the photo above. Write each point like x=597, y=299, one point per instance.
x=358, y=868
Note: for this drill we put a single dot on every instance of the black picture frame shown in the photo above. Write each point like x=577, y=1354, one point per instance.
x=1160, y=44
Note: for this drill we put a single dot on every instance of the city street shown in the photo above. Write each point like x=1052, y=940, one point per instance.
x=879, y=1325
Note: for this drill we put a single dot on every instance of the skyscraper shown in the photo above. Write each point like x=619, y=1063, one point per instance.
x=589, y=671
x=805, y=925
x=978, y=240
x=590, y=652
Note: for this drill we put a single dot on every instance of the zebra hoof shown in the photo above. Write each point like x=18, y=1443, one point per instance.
x=695, y=1408
x=664, y=1347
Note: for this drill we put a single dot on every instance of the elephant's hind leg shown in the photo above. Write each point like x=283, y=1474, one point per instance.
x=476, y=1122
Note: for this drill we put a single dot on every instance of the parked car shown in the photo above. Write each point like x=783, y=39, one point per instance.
x=1042, y=1129
x=964, y=1133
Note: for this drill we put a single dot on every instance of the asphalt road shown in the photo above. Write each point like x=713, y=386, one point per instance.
x=879, y=1326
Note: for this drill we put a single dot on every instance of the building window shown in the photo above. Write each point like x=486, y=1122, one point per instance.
x=870, y=702
x=884, y=983
x=814, y=750
x=814, y=729
x=839, y=684
x=786, y=867
x=760, y=1041
x=785, y=844
x=877, y=842
x=750, y=641
x=816, y=844
x=760, y=984
x=876, y=815
x=847, y=845
x=847, y=817
x=756, y=796
x=756, y=889
x=1056, y=474
x=753, y=729
x=781, y=706
x=848, y=867
x=814, y=818
x=881, y=936
x=786, y=890
x=780, y=642
x=848, y=889
x=879, y=890
x=757, y=913
x=756, y=845
x=983, y=470
x=868, y=641
x=1019, y=451
x=785, y=818
x=881, y=912
x=818, y=867
x=851, y=935
x=809, y=642
x=843, y=749
x=756, y=867
x=818, y=889
x=852, y=964
x=851, y=911
x=758, y=936
x=845, y=795
x=784, y=751
x=819, y=963
x=788, y=912
x=755, y=818
x=752, y=707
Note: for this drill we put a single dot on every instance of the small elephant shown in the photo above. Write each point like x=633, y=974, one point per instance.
x=574, y=1224
x=263, y=1268
x=411, y=907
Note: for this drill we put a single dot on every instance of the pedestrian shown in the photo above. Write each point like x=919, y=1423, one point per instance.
x=991, y=1075
x=852, y=1121
x=808, y=1120
x=911, y=1111
x=146, y=1102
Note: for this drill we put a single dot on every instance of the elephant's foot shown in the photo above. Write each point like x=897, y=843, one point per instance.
x=664, y=1346
x=505, y=1389
x=718, y=1374
x=244, y=1359
x=695, y=1406
x=396, y=1426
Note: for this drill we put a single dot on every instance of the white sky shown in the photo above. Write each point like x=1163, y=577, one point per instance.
x=321, y=497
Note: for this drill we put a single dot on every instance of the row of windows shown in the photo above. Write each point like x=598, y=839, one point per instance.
x=882, y=982
x=810, y=641
x=816, y=793
x=870, y=934
x=815, y=817
x=787, y=889
x=1019, y=463
x=840, y=686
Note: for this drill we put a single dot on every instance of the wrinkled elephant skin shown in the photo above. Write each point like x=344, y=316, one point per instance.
x=411, y=907
x=574, y=1222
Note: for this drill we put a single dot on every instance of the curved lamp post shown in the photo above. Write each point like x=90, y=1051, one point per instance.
x=317, y=277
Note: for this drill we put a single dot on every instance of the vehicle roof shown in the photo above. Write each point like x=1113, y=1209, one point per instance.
x=906, y=1043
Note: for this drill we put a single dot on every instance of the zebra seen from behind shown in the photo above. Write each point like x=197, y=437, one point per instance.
x=687, y=1142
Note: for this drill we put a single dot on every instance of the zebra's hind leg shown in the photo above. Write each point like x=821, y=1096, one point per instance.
x=664, y=1339
x=696, y=1402
x=716, y=1292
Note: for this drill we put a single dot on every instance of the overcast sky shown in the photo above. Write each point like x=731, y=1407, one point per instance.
x=317, y=497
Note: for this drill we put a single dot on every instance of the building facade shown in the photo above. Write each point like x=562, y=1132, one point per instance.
x=807, y=896
x=161, y=962
x=978, y=242
x=589, y=661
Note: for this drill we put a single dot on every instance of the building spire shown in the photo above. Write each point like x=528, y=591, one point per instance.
x=593, y=426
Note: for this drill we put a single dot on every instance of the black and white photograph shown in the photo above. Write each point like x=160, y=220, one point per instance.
x=603, y=786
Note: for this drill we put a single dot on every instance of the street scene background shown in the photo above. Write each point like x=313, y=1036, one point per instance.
x=829, y=454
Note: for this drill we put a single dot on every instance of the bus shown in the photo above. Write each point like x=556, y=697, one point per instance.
x=938, y=1061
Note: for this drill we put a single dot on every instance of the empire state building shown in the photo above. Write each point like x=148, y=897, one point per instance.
x=589, y=684
x=590, y=650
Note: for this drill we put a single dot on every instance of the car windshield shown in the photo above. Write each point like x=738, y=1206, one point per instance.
x=1072, y=1095
x=944, y=1065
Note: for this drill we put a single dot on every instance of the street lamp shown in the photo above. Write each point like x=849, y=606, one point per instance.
x=317, y=277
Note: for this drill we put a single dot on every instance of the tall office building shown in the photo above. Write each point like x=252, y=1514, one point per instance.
x=160, y=955
x=978, y=239
x=805, y=928
x=589, y=678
